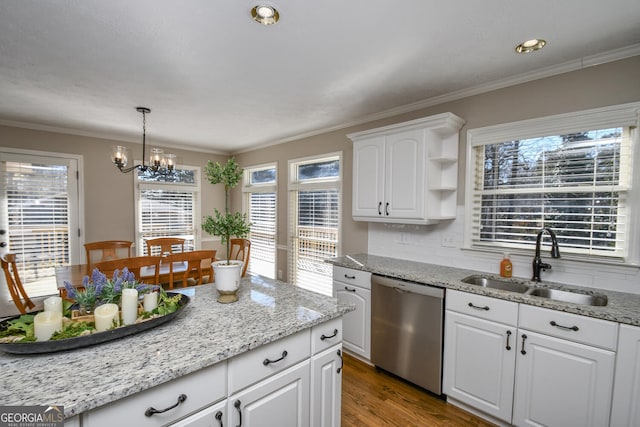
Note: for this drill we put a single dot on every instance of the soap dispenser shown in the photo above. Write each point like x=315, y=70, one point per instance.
x=505, y=266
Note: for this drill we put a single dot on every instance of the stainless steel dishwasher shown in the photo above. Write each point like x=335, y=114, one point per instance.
x=406, y=330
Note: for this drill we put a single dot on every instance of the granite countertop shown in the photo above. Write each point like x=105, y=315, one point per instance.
x=205, y=333
x=621, y=307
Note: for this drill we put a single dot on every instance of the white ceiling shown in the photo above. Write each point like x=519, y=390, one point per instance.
x=217, y=81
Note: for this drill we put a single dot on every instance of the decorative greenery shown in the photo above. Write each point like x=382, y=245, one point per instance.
x=228, y=224
x=73, y=329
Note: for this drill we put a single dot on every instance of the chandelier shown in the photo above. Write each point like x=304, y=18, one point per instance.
x=159, y=163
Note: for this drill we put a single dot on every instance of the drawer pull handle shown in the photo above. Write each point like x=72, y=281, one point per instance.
x=151, y=410
x=218, y=417
x=265, y=362
x=326, y=337
x=508, y=347
x=567, y=328
x=386, y=209
x=485, y=308
x=349, y=289
x=346, y=276
x=237, y=404
x=524, y=337
x=341, y=361
x=379, y=208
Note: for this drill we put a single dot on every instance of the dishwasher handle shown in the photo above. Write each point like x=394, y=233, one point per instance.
x=404, y=286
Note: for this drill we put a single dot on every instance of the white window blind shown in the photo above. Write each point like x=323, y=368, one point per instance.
x=168, y=209
x=38, y=205
x=259, y=187
x=577, y=183
x=314, y=222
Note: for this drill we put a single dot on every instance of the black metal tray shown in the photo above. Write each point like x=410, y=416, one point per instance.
x=37, y=347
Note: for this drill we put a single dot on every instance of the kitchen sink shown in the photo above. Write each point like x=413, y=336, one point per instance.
x=571, y=297
x=488, y=282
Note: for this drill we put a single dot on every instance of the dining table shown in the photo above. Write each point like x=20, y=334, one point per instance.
x=75, y=273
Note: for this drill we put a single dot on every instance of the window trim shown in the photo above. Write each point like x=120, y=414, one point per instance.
x=624, y=115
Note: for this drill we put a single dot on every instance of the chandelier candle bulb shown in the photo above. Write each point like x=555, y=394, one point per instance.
x=129, y=306
x=105, y=315
x=46, y=323
x=150, y=301
x=53, y=304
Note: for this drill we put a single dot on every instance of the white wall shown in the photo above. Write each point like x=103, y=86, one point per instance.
x=442, y=244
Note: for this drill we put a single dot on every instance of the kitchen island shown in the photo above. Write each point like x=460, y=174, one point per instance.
x=206, y=333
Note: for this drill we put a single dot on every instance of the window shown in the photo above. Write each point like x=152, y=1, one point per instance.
x=259, y=190
x=314, y=196
x=168, y=206
x=571, y=173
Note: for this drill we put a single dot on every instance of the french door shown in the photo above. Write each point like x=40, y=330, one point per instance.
x=39, y=217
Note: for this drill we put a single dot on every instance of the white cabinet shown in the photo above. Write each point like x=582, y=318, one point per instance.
x=213, y=416
x=326, y=387
x=407, y=172
x=280, y=400
x=479, y=354
x=354, y=287
x=625, y=411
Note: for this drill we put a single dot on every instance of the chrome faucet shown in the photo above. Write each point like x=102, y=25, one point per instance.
x=537, y=261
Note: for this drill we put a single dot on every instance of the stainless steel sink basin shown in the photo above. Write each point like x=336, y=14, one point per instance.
x=488, y=282
x=571, y=297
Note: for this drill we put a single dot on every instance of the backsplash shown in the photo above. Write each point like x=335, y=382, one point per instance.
x=441, y=244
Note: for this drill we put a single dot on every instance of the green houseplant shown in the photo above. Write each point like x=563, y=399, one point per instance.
x=226, y=225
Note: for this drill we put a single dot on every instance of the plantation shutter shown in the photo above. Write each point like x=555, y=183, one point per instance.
x=577, y=184
x=166, y=212
x=262, y=215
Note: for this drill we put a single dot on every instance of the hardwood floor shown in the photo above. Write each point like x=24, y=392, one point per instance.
x=371, y=398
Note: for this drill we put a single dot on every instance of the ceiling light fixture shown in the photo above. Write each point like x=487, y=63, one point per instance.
x=531, y=45
x=264, y=14
x=160, y=163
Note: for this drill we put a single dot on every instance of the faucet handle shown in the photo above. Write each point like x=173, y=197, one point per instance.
x=545, y=266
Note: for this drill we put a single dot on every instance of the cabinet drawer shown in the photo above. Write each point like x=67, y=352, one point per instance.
x=326, y=335
x=483, y=307
x=352, y=277
x=262, y=362
x=582, y=329
x=202, y=388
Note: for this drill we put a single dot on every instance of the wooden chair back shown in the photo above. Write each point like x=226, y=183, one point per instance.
x=198, y=264
x=136, y=265
x=165, y=245
x=106, y=250
x=240, y=250
x=18, y=294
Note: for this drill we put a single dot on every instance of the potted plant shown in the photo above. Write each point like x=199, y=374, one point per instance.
x=226, y=225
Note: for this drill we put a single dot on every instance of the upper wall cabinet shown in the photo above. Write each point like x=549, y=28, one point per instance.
x=407, y=172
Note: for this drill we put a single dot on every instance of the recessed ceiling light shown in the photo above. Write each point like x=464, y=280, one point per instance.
x=530, y=45
x=264, y=14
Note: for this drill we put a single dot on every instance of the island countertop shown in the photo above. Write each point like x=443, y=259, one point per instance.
x=621, y=307
x=205, y=333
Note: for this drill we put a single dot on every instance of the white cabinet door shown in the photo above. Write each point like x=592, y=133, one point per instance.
x=356, y=325
x=405, y=175
x=213, y=416
x=281, y=400
x=479, y=363
x=368, y=178
x=326, y=387
x=561, y=383
x=625, y=410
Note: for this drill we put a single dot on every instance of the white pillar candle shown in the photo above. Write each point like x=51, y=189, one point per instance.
x=53, y=304
x=105, y=315
x=129, y=306
x=46, y=323
x=150, y=301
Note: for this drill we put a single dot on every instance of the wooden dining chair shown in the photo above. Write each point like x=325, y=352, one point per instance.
x=18, y=294
x=146, y=269
x=166, y=245
x=185, y=265
x=240, y=251
x=106, y=250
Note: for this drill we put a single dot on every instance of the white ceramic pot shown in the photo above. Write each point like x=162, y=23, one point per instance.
x=227, y=279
